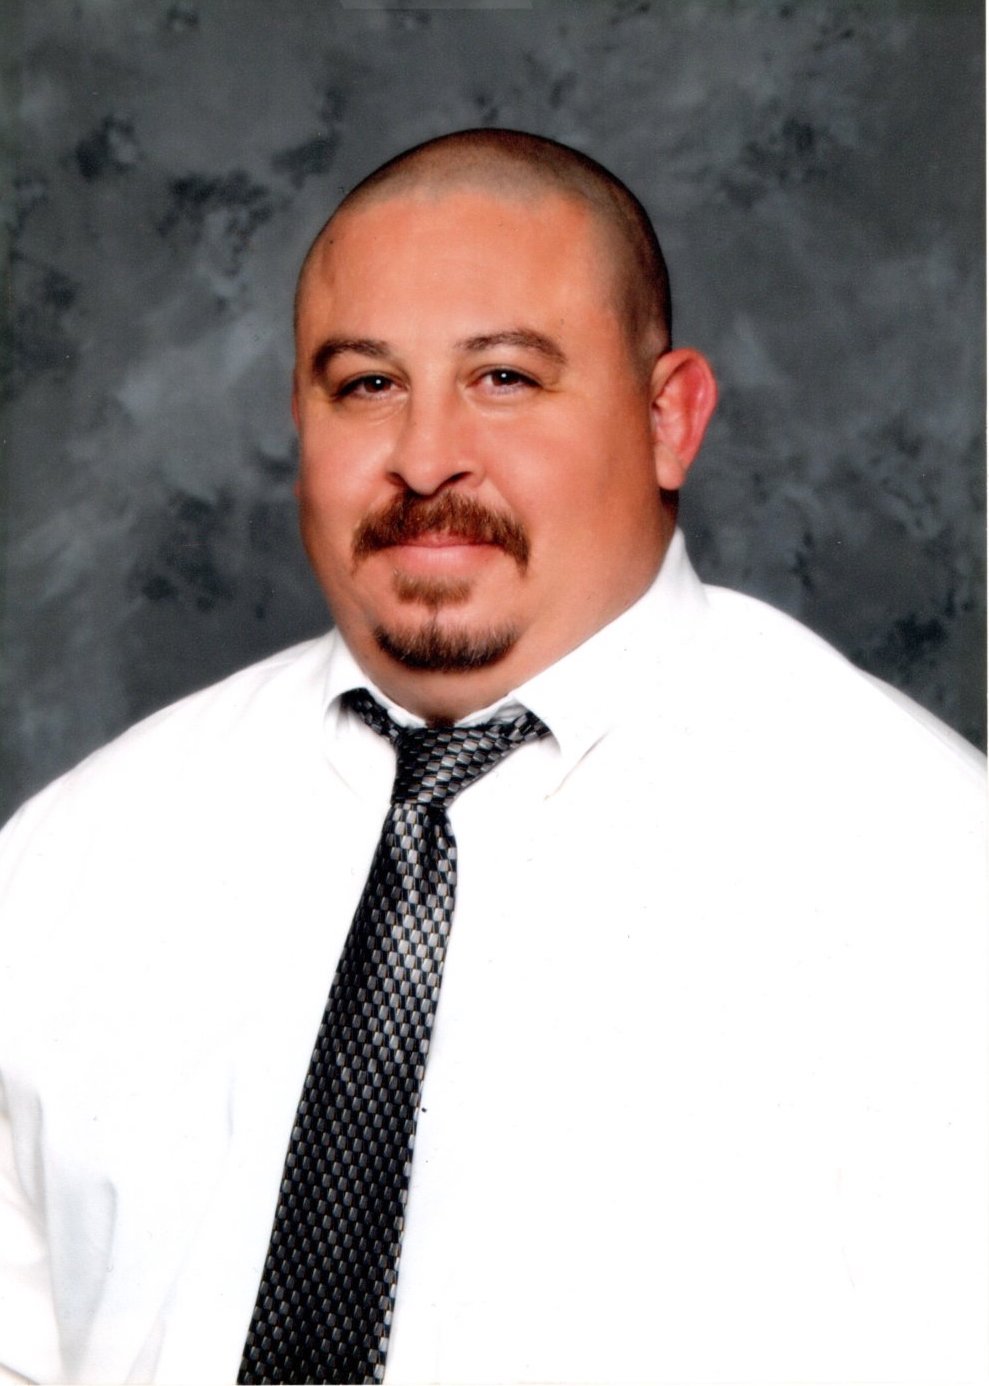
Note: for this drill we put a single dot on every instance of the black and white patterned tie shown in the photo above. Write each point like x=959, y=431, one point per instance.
x=324, y=1307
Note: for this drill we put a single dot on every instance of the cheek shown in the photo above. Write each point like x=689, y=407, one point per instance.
x=330, y=509
x=333, y=481
x=582, y=476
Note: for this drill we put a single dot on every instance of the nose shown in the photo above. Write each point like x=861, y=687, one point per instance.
x=432, y=450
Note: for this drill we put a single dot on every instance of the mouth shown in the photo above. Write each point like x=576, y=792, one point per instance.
x=441, y=539
x=441, y=552
x=441, y=530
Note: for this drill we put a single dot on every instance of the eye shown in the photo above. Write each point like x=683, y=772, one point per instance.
x=503, y=380
x=365, y=387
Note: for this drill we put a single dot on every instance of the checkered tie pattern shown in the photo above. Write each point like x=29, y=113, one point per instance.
x=324, y=1307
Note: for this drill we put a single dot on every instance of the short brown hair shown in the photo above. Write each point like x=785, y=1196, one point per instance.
x=516, y=162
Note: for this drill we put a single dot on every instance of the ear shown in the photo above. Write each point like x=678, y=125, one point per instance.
x=683, y=396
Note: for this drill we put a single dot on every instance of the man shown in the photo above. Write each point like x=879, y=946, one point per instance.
x=704, y=1098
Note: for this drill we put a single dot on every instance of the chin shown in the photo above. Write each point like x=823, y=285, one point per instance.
x=431, y=592
x=433, y=648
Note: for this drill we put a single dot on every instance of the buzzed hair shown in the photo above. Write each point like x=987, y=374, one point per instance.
x=515, y=163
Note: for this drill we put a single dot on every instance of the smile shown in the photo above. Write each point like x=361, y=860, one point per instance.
x=442, y=540
x=445, y=528
x=441, y=552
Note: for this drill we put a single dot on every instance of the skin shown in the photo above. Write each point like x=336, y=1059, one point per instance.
x=495, y=372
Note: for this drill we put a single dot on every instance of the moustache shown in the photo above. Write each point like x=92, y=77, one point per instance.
x=409, y=516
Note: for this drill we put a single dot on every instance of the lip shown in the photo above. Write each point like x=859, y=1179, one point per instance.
x=432, y=553
x=442, y=540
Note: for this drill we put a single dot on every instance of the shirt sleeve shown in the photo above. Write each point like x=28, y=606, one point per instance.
x=29, y=1334
x=29, y=1349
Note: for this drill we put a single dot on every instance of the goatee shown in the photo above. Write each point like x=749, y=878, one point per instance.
x=432, y=649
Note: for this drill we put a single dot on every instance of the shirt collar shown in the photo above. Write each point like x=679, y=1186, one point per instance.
x=582, y=695
x=344, y=673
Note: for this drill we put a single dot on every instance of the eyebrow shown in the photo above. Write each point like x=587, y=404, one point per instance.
x=517, y=337
x=525, y=337
x=336, y=346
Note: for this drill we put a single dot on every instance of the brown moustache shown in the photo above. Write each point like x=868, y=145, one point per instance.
x=409, y=516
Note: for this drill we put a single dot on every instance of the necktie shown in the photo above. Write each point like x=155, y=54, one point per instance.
x=323, y=1311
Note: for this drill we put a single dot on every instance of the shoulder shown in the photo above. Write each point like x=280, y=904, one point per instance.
x=779, y=747
x=292, y=676
x=796, y=778
x=251, y=715
x=797, y=688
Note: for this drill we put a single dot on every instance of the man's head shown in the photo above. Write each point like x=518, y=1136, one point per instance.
x=516, y=165
x=492, y=422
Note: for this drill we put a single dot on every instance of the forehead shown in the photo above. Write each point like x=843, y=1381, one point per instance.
x=460, y=256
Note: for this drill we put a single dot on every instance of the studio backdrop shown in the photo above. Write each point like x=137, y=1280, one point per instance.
x=815, y=171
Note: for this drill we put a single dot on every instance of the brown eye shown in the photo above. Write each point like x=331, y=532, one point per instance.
x=505, y=379
x=365, y=386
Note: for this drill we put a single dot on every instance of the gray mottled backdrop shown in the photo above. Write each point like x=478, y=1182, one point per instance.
x=815, y=169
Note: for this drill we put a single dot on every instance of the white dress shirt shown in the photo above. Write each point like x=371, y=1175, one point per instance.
x=706, y=1098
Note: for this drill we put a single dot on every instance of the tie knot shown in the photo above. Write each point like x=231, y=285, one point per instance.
x=436, y=763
